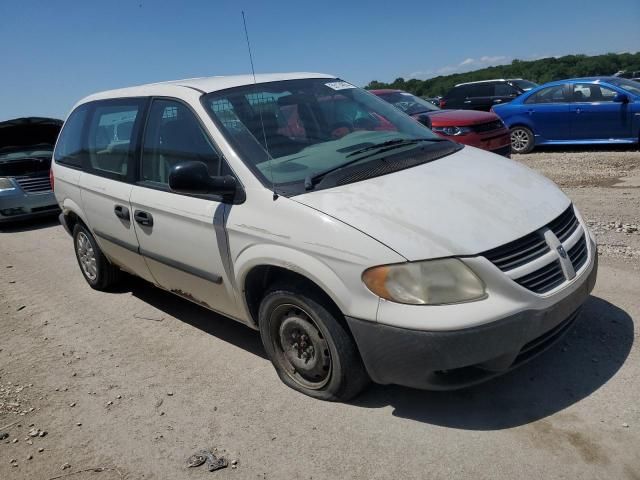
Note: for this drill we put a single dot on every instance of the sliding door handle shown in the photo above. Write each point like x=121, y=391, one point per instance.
x=143, y=218
x=122, y=212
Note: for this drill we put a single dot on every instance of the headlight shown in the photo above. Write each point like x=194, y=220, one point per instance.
x=6, y=184
x=452, y=131
x=430, y=282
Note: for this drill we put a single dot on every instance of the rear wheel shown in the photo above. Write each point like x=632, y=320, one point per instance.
x=96, y=269
x=309, y=346
x=521, y=140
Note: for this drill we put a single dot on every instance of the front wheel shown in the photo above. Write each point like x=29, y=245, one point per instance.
x=309, y=347
x=521, y=140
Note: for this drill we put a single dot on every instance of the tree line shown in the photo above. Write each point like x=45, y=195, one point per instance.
x=539, y=71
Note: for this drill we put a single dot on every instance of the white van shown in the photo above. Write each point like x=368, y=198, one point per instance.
x=360, y=244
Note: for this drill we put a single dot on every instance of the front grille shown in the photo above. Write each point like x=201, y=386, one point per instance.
x=578, y=253
x=564, y=225
x=533, y=246
x=518, y=252
x=487, y=127
x=544, y=279
x=34, y=184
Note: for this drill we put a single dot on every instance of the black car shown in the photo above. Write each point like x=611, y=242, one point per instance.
x=485, y=94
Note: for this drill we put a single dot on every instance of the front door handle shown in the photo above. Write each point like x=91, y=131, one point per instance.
x=143, y=218
x=122, y=212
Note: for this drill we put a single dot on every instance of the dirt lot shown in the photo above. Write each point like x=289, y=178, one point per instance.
x=132, y=382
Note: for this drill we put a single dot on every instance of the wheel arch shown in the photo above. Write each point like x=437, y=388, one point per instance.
x=72, y=214
x=260, y=266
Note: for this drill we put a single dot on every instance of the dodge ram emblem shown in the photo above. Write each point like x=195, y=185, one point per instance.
x=562, y=252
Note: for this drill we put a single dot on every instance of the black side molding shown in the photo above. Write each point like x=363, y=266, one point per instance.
x=211, y=277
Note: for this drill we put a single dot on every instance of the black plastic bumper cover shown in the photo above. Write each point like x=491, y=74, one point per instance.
x=445, y=360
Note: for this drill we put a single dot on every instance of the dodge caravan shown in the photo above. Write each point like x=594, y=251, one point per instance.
x=361, y=245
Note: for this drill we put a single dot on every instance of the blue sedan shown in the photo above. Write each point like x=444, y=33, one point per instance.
x=577, y=111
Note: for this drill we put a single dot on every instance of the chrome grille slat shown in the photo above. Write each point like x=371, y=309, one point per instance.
x=34, y=184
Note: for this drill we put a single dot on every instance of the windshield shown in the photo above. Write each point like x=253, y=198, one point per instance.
x=628, y=85
x=408, y=103
x=525, y=85
x=307, y=126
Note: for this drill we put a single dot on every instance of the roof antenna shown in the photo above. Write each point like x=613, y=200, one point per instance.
x=264, y=135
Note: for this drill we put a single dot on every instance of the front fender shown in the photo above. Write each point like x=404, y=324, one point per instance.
x=347, y=291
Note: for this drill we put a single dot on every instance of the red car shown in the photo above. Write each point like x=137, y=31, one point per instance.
x=479, y=129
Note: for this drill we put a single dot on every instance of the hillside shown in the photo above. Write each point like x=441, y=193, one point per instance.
x=540, y=71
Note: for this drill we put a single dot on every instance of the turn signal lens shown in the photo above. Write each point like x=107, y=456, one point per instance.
x=432, y=282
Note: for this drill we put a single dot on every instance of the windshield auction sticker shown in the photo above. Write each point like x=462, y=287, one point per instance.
x=339, y=85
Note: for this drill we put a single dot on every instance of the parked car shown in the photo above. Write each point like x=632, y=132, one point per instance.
x=360, y=244
x=479, y=129
x=26, y=146
x=576, y=111
x=484, y=94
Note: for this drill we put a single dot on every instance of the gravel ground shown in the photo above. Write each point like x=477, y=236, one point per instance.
x=129, y=384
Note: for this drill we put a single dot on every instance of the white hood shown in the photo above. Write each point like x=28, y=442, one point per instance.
x=462, y=204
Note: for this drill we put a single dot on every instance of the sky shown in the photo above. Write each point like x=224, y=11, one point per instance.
x=54, y=52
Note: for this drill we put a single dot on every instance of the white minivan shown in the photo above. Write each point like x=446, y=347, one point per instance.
x=361, y=245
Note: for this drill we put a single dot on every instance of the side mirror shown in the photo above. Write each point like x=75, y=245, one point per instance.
x=193, y=178
x=425, y=120
x=621, y=98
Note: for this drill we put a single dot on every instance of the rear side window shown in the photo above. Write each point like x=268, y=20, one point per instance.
x=111, y=137
x=173, y=135
x=458, y=92
x=549, y=95
x=70, y=149
x=504, y=90
x=482, y=90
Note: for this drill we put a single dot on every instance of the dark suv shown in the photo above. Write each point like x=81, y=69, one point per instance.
x=485, y=94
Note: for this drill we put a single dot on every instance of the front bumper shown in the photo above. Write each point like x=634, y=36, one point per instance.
x=445, y=360
x=16, y=205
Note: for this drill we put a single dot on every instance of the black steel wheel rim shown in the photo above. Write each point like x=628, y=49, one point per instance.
x=301, y=349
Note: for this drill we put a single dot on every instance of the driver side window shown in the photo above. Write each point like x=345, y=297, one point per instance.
x=173, y=135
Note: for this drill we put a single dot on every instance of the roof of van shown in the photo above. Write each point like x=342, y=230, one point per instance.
x=203, y=84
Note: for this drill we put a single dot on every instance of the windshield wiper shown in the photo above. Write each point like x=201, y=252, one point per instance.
x=312, y=180
x=390, y=143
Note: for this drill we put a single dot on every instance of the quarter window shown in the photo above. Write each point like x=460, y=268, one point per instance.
x=111, y=138
x=592, y=92
x=173, y=135
x=70, y=149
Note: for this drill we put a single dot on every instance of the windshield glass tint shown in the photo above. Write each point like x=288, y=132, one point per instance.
x=307, y=126
x=408, y=103
x=524, y=84
x=628, y=85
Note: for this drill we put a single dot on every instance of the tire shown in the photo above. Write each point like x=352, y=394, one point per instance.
x=522, y=140
x=320, y=358
x=99, y=273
